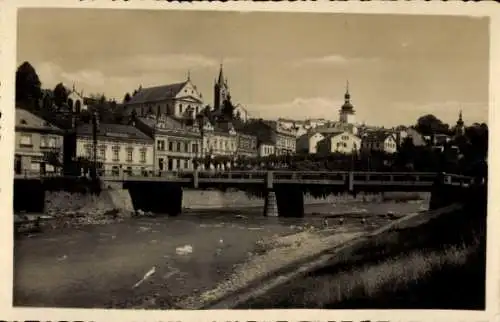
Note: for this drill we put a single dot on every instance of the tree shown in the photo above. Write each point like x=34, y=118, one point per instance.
x=127, y=98
x=60, y=95
x=28, y=85
x=430, y=124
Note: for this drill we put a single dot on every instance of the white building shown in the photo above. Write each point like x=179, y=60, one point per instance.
x=76, y=101
x=379, y=141
x=119, y=147
x=180, y=100
x=339, y=142
x=266, y=149
x=308, y=143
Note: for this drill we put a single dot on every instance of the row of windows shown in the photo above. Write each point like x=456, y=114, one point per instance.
x=222, y=144
x=177, y=146
x=26, y=140
x=172, y=164
x=116, y=153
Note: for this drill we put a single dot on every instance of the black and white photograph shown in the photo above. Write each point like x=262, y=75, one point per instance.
x=221, y=159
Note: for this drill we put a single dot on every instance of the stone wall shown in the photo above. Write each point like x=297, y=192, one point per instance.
x=214, y=199
x=61, y=202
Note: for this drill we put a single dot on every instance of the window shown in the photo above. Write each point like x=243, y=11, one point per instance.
x=88, y=150
x=178, y=163
x=160, y=145
x=195, y=148
x=25, y=141
x=178, y=146
x=186, y=147
x=115, y=171
x=143, y=155
x=180, y=108
x=186, y=164
x=102, y=154
x=170, y=146
x=130, y=154
x=116, y=153
x=35, y=166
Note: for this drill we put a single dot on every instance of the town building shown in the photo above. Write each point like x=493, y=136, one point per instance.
x=339, y=142
x=381, y=141
x=176, y=146
x=247, y=145
x=308, y=143
x=220, y=140
x=119, y=148
x=270, y=132
x=266, y=148
x=38, y=144
x=180, y=100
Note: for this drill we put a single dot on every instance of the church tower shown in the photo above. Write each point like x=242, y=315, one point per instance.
x=347, y=115
x=221, y=90
x=460, y=128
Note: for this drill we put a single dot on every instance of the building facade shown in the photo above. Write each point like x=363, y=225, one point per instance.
x=340, y=142
x=176, y=146
x=38, y=144
x=220, y=141
x=247, y=145
x=119, y=148
x=308, y=143
x=381, y=141
x=266, y=149
x=180, y=100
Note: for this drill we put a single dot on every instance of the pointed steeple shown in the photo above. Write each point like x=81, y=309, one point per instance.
x=220, y=81
x=189, y=75
x=460, y=120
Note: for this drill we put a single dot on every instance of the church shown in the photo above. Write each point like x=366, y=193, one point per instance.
x=179, y=100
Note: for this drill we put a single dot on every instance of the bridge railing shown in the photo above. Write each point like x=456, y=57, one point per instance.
x=357, y=177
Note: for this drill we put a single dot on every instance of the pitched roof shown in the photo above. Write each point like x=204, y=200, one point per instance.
x=378, y=136
x=28, y=120
x=156, y=93
x=113, y=131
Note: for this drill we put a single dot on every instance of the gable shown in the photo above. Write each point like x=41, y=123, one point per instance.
x=189, y=90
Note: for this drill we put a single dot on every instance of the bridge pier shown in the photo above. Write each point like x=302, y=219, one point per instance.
x=271, y=205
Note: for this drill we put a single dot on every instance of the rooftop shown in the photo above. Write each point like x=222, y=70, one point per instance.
x=115, y=131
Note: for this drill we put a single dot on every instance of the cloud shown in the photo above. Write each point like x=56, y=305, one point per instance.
x=154, y=63
x=89, y=80
x=299, y=108
x=331, y=60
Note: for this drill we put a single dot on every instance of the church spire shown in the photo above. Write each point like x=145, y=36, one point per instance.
x=460, y=120
x=189, y=75
x=347, y=96
x=221, y=75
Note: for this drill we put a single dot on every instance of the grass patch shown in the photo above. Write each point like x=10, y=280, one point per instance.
x=436, y=263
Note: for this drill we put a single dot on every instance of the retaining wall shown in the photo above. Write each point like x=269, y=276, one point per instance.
x=213, y=199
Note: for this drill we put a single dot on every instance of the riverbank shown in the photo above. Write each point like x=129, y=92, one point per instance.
x=436, y=263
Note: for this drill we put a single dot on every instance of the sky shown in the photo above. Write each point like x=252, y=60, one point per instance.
x=291, y=65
